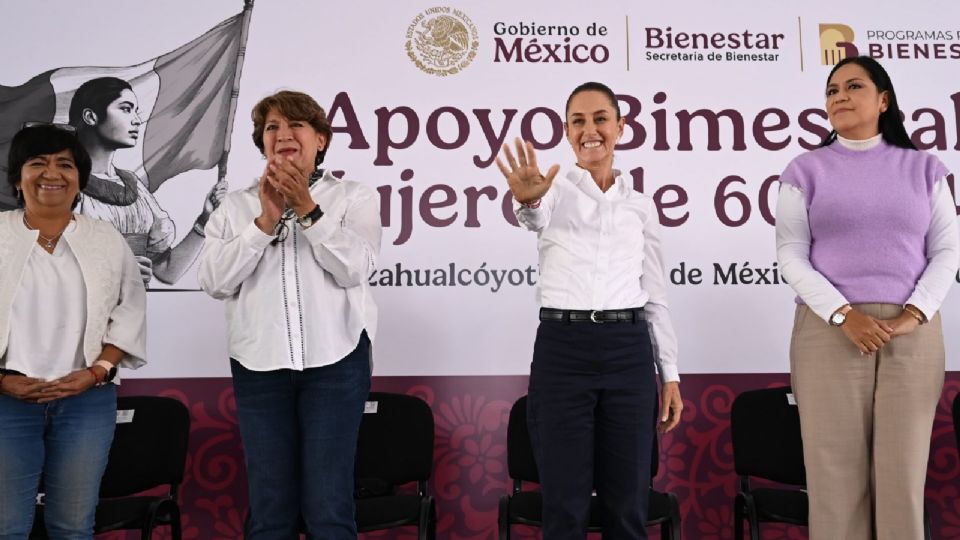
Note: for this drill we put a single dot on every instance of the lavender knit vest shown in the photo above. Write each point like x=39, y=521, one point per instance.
x=869, y=213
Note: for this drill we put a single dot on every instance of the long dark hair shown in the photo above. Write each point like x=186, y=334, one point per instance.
x=96, y=95
x=891, y=121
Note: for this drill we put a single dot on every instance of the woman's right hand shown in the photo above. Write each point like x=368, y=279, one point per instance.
x=271, y=204
x=865, y=332
x=23, y=388
x=526, y=182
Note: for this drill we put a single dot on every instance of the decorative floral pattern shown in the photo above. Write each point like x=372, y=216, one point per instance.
x=470, y=471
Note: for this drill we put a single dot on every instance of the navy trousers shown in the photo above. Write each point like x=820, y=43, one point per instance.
x=591, y=413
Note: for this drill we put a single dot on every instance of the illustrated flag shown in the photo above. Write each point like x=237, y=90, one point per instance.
x=186, y=100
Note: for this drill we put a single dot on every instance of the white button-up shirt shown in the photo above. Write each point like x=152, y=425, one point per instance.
x=602, y=251
x=303, y=302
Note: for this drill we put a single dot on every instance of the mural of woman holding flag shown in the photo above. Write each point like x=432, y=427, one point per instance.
x=190, y=93
x=105, y=113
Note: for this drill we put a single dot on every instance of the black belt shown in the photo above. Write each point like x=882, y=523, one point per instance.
x=593, y=316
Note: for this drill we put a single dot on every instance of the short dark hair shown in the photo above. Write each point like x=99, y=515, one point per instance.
x=594, y=87
x=891, y=123
x=96, y=95
x=34, y=141
x=293, y=106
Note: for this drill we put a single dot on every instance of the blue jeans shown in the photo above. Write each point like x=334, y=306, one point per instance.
x=68, y=442
x=591, y=416
x=299, y=431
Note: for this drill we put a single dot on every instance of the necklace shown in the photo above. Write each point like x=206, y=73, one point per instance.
x=50, y=241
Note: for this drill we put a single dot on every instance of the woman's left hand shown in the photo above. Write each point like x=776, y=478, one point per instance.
x=671, y=405
x=69, y=385
x=902, y=324
x=292, y=183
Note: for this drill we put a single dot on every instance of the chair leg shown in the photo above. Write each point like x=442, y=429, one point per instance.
x=146, y=532
x=744, y=507
x=673, y=531
x=738, y=518
x=503, y=518
x=754, y=522
x=176, y=531
x=427, y=525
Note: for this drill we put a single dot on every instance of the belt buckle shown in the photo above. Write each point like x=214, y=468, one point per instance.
x=593, y=317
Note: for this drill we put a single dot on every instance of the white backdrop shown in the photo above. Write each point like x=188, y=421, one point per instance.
x=357, y=51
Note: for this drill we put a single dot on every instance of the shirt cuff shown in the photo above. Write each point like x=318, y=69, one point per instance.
x=255, y=238
x=530, y=218
x=321, y=230
x=669, y=373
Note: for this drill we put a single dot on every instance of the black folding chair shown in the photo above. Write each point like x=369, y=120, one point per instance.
x=765, y=429
x=525, y=506
x=956, y=419
x=149, y=450
x=395, y=447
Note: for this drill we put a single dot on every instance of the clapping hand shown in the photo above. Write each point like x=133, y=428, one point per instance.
x=271, y=203
x=292, y=183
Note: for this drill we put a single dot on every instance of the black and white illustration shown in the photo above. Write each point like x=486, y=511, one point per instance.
x=143, y=125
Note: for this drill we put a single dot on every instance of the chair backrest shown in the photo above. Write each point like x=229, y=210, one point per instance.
x=395, y=444
x=765, y=429
x=149, y=446
x=521, y=463
x=956, y=418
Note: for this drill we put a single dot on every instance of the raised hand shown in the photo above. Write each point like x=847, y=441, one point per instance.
x=526, y=182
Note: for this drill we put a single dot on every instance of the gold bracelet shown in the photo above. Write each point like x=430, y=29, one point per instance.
x=916, y=313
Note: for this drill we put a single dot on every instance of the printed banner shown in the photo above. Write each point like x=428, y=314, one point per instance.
x=422, y=96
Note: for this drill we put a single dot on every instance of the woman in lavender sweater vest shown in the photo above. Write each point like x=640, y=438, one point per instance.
x=867, y=237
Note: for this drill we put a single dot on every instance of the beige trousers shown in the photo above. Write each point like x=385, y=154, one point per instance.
x=866, y=422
